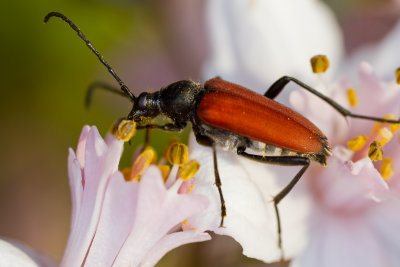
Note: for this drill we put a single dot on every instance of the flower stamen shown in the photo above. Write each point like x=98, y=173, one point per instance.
x=387, y=168
x=375, y=152
x=124, y=129
x=352, y=97
x=165, y=169
x=385, y=134
x=177, y=154
x=398, y=75
x=188, y=170
x=319, y=63
x=141, y=163
x=357, y=143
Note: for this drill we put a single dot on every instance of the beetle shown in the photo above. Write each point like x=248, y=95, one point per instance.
x=232, y=117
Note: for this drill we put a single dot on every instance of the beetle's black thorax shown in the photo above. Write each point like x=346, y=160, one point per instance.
x=178, y=100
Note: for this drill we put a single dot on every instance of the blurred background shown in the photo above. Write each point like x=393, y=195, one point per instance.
x=46, y=70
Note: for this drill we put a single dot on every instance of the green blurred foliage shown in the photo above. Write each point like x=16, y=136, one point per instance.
x=45, y=71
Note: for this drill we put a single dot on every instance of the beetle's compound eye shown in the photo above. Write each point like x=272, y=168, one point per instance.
x=319, y=63
x=124, y=129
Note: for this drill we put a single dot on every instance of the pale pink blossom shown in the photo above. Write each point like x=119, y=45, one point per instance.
x=254, y=45
x=355, y=216
x=115, y=222
x=119, y=223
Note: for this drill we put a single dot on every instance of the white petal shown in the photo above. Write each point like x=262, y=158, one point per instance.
x=14, y=254
x=248, y=188
x=255, y=42
x=170, y=242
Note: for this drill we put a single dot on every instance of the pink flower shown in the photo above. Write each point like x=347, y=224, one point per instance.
x=115, y=222
x=254, y=43
x=355, y=216
x=121, y=223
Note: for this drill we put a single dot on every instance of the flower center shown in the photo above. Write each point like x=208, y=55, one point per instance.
x=373, y=144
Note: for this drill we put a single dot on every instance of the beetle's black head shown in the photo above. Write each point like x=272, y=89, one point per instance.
x=177, y=101
x=146, y=105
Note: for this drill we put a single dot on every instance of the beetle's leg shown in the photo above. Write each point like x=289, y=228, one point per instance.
x=171, y=127
x=219, y=184
x=207, y=141
x=280, y=84
x=283, y=161
x=103, y=86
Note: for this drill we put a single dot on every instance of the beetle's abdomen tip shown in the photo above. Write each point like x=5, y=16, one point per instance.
x=324, y=153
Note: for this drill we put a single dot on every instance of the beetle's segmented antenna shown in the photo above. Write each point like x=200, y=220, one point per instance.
x=124, y=88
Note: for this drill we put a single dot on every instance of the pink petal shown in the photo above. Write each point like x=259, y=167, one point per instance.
x=76, y=187
x=100, y=163
x=158, y=211
x=348, y=186
x=80, y=150
x=169, y=242
x=385, y=221
x=337, y=242
x=116, y=220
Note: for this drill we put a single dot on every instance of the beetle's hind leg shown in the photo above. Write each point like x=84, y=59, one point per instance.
x=277, y=87
x=283, y=161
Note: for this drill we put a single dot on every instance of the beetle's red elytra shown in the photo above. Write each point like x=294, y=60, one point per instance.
x=237, y=109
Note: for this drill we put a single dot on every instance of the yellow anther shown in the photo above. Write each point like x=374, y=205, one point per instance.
x=165, y=169
x=385, y=134
x=352, y=97
x=127, y=173
x=394, y=127
x=387, y=168
x=142, y=163
x=357, y=143
x=188, y=170
x=177, y=153
x=319, y=63
x=398, y=76
x=375, y=151
x=124, y=129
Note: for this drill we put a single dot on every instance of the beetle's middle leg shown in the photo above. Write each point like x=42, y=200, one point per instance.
x=283, y=161
x=206, y=141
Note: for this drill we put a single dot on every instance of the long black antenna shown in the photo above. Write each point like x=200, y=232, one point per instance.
x=124, y=88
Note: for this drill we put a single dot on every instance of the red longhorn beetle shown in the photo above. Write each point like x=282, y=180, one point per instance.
x=228, y=115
